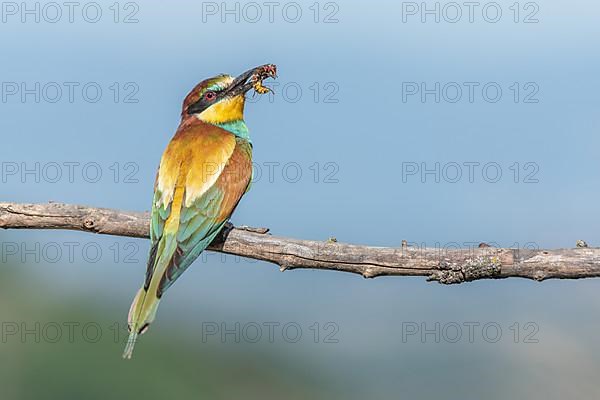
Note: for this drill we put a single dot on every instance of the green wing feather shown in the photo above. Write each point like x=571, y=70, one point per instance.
x=198, y=226
x=158, y=217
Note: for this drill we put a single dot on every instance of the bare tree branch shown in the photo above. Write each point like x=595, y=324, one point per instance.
x=444, y=266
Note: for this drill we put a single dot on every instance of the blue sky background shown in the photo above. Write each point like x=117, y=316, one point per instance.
x=364, y=139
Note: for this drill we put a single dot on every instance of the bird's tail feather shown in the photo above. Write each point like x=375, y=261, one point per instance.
x=130, y=344
x=141, y=314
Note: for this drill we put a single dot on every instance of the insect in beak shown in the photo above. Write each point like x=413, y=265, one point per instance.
x=267, y=71
x=252, y=79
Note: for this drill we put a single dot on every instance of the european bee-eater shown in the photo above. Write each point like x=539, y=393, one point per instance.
x=203, y=173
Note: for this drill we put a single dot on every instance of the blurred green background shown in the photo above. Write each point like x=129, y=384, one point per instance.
x=57, y=345
x=372, y=350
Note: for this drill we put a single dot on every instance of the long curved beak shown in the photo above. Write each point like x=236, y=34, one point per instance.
x=246, y=81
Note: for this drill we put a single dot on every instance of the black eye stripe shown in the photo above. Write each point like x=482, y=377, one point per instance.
x=204, y=102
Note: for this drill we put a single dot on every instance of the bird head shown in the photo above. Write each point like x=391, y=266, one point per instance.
x=221, y=99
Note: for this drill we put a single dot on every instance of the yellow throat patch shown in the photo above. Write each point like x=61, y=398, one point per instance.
x=226, y=110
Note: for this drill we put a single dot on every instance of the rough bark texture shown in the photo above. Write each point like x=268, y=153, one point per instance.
x=444, y=266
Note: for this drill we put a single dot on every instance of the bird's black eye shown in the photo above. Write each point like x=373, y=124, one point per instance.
x=210, y=96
